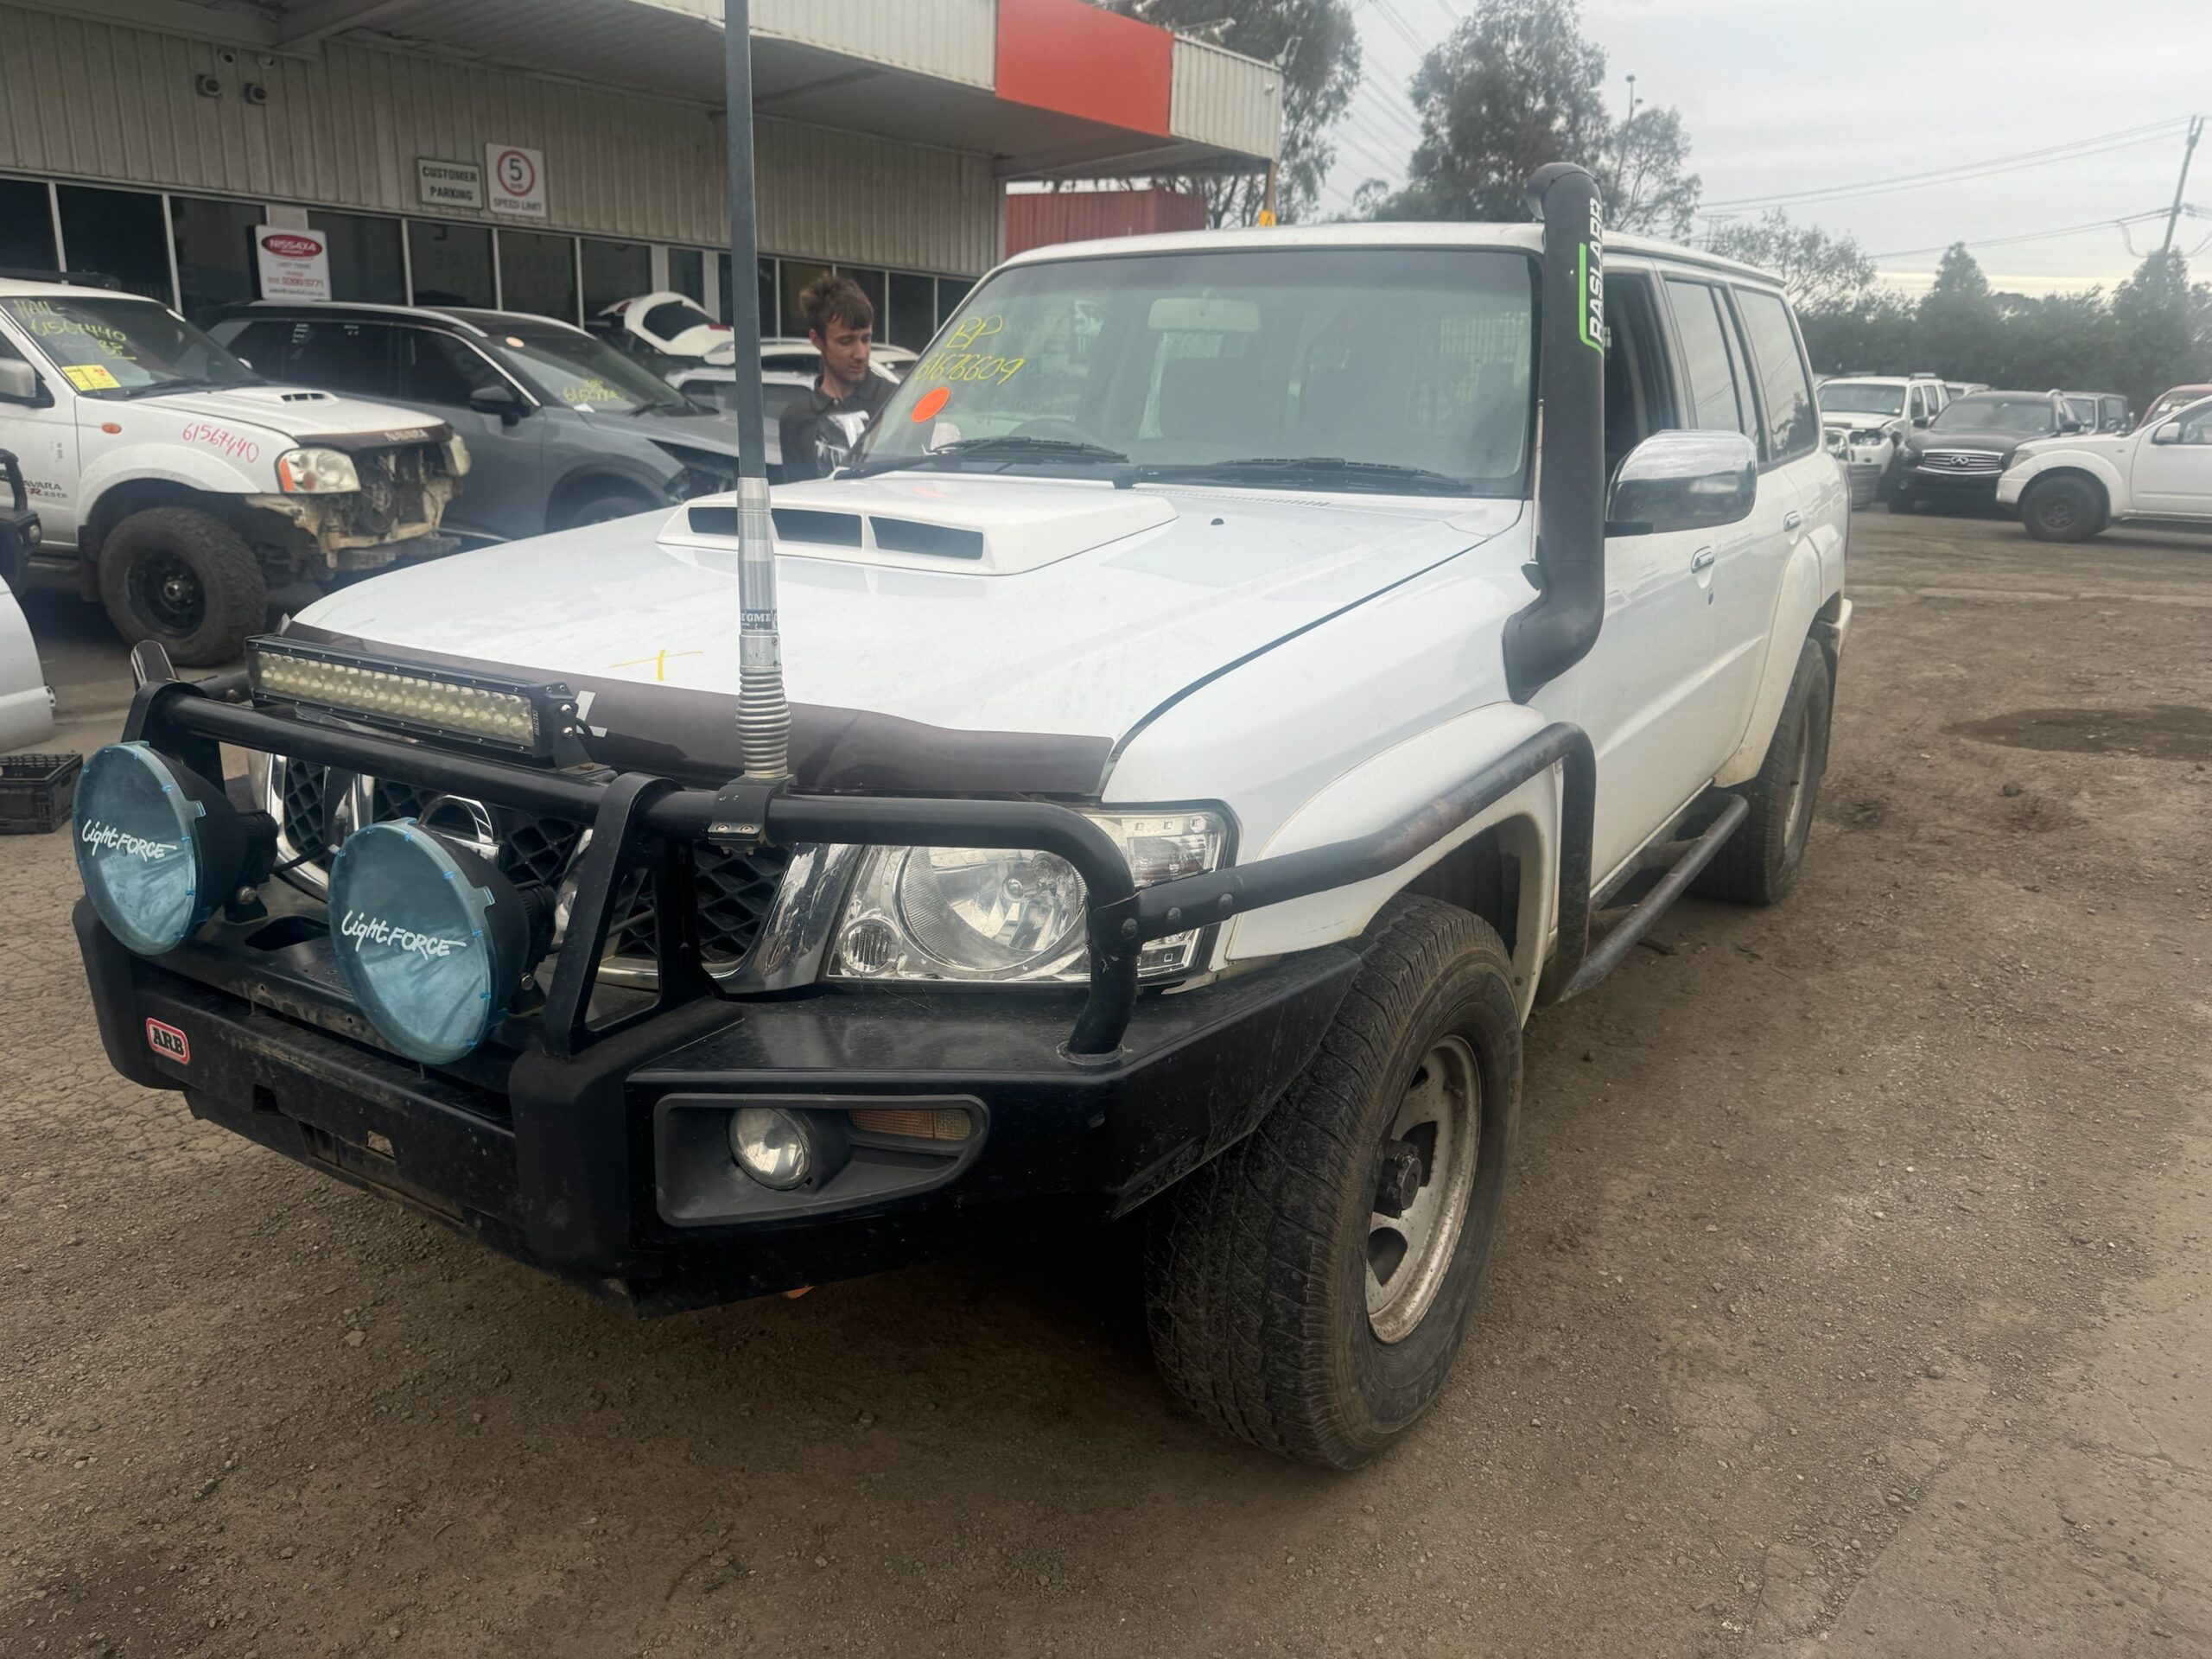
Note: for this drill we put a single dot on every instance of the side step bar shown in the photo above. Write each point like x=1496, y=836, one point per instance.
x=1605, y=954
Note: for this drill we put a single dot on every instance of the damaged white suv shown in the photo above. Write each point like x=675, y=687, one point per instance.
x=1246, y=674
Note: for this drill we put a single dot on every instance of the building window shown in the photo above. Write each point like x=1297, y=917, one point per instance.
x=26, y=227
x=453, y=263
x=771, y=314
x=912, y=317
x=215, y=264
x=951, y=290
x=687, y=274
x=118, y=233
x=366, y=266
x=538, y=273
x=614, y=271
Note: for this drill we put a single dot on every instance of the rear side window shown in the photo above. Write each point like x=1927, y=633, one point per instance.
x=1785, y=386
x=262, y=345
x=1718, y=400
x=1639, y=398
x=353, y=357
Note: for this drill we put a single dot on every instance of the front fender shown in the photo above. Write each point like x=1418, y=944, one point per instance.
x=1384, y=789
x=212, y=473
x=2023, y=472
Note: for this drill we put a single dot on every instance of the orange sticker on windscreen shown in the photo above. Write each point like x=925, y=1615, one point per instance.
x=931, y=405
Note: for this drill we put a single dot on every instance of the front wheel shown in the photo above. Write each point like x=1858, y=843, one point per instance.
x=2063, y=509
x=184, y=578
x=1308, y=1289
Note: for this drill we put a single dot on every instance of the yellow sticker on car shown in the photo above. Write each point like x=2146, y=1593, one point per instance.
x=91, y=376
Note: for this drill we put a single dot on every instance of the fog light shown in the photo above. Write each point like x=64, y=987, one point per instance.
x=432, y=940
x=771, y=1146
x=158, y=846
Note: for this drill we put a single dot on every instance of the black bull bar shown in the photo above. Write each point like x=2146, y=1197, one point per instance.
x=644, y=822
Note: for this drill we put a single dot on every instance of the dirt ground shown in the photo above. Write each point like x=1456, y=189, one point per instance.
x=1851, y=1298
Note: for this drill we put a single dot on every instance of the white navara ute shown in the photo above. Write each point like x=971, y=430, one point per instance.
x=176, y=486
x=2079, y=485
x=1243, y=676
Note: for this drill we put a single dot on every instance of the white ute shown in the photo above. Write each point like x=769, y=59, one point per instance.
x=2072, y=488
x=176, y=486
x=1216, y=728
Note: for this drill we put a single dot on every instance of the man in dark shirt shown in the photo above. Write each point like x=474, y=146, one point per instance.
x=841, y=322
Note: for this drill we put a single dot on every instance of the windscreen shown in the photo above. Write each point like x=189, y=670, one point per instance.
x=120, y=348
x=2026, y=415
x=582, y=373
x=1857, y=398
x=1398, y=356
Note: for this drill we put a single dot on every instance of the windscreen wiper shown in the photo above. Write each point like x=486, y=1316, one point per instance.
x=1008, y=447
x=1272, y=469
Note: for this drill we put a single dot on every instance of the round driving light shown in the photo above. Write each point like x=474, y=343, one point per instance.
x=432, y=940
x=770, y=1146
x=158, y=846
x=990, y=912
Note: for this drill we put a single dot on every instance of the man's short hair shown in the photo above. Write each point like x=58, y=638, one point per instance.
x=831, y=299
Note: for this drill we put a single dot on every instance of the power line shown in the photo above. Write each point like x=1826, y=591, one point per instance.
x=2025, y=236
x=1962, y=171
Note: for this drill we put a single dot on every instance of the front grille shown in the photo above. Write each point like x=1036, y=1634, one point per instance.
x=735, y=890
x=392, y=492
x=1961, y=463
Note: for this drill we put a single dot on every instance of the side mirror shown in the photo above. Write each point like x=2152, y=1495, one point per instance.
x=499, y=400
x=1920, y=420
x=19, y=383
x=2068, y=426
x=2169, y=433
x=1684, y=480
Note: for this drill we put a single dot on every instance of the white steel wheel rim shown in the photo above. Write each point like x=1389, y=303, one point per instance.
x=1409, y=1257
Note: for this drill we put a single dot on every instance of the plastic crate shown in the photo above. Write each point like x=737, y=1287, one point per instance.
x=37, y=792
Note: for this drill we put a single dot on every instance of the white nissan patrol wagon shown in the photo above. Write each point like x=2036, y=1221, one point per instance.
x=1243, y=676
x=176, y=486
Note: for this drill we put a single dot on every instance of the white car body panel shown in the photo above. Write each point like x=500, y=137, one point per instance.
x=26, y=704
x=1085, y=646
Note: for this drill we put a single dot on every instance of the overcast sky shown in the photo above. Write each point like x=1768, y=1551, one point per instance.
x=1784, y=96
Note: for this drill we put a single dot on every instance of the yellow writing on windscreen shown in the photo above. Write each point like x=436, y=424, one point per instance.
x=592, y=392
x=956, y=360
x=90, y=377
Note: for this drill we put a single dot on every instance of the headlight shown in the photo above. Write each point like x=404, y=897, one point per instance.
x=316, y=472
x=432, y=941
x=457, y=461
x=1868, y=439
x=976, y=913
x=159, y=847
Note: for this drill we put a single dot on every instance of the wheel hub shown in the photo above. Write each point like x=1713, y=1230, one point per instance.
x=1424, y=1183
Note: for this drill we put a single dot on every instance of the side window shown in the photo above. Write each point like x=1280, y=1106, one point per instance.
x=1916, y=407
x=2196, y=425
x=262, y=344
x=436, y=368
x=350, y=357
x=1639, y=391
x=1717, y=402
x=1785, y=387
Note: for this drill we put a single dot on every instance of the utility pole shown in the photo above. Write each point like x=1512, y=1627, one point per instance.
x=2188, y=149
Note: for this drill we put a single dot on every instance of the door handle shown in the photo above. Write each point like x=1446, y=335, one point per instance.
x=1792, y=518
x=1703, y=559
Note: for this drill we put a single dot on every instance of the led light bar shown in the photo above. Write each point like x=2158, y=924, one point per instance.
x=451, y=704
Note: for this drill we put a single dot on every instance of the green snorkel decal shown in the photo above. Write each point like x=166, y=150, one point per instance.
x=1590, y=270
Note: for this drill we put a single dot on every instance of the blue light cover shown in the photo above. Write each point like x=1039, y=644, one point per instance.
x=138, y=848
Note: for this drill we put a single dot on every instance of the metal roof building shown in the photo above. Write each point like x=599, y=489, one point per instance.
x=559, y=155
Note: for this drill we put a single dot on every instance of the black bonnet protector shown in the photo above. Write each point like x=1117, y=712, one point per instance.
x=674, y=732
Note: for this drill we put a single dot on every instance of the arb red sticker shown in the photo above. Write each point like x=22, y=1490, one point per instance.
x=169, y=1041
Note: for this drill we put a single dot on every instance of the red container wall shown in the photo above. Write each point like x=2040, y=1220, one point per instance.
x=1037, y=221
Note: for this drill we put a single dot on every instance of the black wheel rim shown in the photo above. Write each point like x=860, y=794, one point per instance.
x=2058, y=510
x=167, y=591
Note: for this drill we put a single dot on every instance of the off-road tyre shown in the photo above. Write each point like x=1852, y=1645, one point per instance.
x=187, y=579
x=1761, y=862
x=1257, y=1264
x=2062, y=509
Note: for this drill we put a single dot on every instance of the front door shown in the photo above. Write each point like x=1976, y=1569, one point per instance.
x=504, y=495
x=2175, y=479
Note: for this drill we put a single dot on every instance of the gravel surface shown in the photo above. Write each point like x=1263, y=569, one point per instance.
x=1850, y=1297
